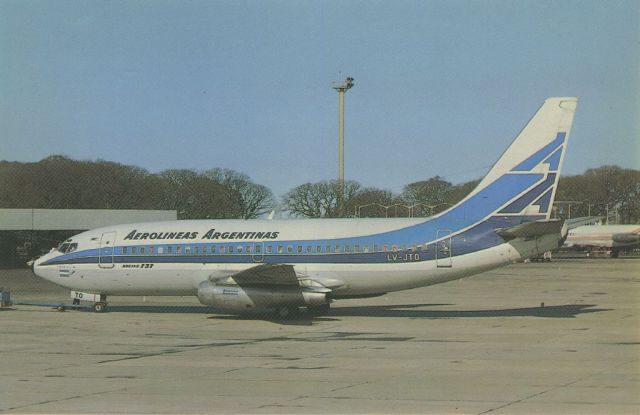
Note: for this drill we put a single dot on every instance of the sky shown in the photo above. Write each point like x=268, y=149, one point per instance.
x=441, y=87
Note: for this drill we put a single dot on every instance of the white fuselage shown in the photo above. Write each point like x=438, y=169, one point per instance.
x=103, y=261
x=605, y=236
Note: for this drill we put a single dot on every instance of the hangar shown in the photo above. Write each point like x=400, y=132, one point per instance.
x=25, y=233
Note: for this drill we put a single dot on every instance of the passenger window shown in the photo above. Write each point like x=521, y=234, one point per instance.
x=169, y=250
x=196, y=250
x=240, y=249
x=327, y=248
x=299, y=249
x=385, y=248
x=269, y=249
x=280, y=249
x=318, y=249
x=337, y=248
x=347, y=249
x=178, y=249
x=213, y=249
x=248, y=250
x=375, y=248
x=365, y=249
x=124, y=250
x=356, y=248
x=222, y=250
x=394, y=248
x=133, y=250
x=257, y=249
x=289, y=249
x=309, y=249
x=142, y=250
x=187, y=250
x=230, y=250
x=150, y=250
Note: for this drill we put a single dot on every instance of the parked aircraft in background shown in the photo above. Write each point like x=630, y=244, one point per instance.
x=613, y=237
x=288, y=264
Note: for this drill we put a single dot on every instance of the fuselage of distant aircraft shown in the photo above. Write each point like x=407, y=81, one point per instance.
x=613, y=237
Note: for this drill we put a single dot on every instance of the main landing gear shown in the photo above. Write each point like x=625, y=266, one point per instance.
x=286, y=312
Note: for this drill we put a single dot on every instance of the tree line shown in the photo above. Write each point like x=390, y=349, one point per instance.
x=64, y=183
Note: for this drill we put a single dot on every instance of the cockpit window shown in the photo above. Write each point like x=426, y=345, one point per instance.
x=67, y=247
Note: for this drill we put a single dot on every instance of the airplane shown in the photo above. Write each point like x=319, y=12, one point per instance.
x=286, y=265
x=613, y=237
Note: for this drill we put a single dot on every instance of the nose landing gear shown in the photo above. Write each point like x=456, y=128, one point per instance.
x=99, y=300
x=100, y=307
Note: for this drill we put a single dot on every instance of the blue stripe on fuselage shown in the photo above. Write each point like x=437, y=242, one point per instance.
x=481, y=236
x=474, y=210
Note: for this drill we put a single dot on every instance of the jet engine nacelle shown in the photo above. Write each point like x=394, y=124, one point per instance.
x=234, y=297
x=625, y=238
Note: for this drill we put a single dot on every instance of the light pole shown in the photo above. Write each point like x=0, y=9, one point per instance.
x=341, y=88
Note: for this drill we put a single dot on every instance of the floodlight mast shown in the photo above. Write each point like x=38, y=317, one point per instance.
x=341, y=88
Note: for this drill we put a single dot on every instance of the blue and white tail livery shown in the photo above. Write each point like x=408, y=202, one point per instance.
x=288, y=264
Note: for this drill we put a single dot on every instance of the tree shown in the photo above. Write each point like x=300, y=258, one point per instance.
x=603, y=190
x=371, y=202
x=320, y=200
x=195, y=196
x=254, y=199
x=431, y=191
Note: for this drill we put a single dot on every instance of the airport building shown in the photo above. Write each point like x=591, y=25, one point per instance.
x=25, y=233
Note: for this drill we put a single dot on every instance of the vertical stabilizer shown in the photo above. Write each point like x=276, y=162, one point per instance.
x=538, y=151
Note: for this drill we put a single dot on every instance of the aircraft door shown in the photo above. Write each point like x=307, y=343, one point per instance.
x=257, y=252
x=106, y=250
x=443, y=248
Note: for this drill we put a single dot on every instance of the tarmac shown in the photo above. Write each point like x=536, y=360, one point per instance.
x=474, y=346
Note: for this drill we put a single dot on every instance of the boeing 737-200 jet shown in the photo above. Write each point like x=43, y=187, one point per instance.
x=616, y=238
x=288, y=264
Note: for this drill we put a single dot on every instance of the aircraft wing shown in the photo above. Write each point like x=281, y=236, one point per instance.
x=531, y=230
x=273, y=276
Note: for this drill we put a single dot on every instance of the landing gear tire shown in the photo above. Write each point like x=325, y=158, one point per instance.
x=287, y=312
x=61, y=308
x=318, y=310
x=99, y=307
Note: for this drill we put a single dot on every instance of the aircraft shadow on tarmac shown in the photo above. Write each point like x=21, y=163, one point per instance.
x=399, y=310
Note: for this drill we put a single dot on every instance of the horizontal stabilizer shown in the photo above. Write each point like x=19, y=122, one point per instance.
x=531, y=230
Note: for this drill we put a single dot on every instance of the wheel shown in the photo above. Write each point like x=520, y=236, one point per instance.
x=61, y=308
x=99, y=307
x=319, y=310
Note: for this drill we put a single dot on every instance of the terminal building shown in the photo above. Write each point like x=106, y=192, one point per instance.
x=28, y=233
